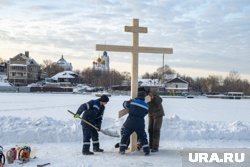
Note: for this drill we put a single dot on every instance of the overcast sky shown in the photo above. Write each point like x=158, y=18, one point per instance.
x=207, y=36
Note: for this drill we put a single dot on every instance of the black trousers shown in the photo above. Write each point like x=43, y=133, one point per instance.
x=89, y=133
x=125, y=134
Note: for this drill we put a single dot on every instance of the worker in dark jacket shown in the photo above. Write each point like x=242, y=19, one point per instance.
x=138, y=109
x=93, y=113
x=155, y=117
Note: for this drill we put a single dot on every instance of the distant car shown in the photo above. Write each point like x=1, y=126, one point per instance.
x=99, y=94
x=190, y=96
x=80, y=88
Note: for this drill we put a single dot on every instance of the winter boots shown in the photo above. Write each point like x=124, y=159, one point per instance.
x=154, y=150
x=117, y=145
x=87, y=153
x=91, y=153
x=98, y=150
x=122, y=152
x=146, y=153
x=95, y=149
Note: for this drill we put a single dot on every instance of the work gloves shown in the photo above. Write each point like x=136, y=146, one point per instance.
x=76, y=116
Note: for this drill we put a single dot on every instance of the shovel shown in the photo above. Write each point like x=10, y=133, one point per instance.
x=105, y=132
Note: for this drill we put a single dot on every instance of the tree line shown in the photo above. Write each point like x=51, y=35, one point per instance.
x=212, y=84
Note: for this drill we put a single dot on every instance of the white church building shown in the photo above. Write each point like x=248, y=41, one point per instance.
x=64, y=64
x=102, y=63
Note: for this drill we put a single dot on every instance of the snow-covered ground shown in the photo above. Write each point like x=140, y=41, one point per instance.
x=42, y=122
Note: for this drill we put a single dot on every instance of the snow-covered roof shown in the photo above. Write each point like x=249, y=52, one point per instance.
x=64, y=74
x=27, y=59
x=177, y=80
x=32, y=61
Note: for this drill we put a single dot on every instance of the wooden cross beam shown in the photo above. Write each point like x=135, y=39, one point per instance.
x=135, y=49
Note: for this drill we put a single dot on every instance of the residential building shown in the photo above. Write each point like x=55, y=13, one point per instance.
x=22, y=70
x=172, y=85
x=176, y=86
x=66, y=78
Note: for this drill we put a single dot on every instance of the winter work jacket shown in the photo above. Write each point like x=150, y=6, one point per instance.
x=155, y=107
x=138, y=109
x=93, y=113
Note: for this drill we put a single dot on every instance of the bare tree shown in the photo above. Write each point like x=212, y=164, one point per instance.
x=102, y=78
x=166, y=69
x=191, y=82
x=126, y=75
x=50, y=68
x=146, y=76
x=214, y=83
x=245, y=87
x=198, y=85
x=159, y=73
x=231, y=82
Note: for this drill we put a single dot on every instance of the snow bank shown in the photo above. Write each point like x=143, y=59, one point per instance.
x=46, y=129
x=175, y=128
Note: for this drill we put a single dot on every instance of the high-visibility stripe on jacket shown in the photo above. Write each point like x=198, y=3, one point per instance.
x=92, y=112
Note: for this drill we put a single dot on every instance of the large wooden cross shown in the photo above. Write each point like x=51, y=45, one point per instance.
x=135, y=49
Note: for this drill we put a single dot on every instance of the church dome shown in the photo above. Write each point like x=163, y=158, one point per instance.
x=99, y=60
x=64, y=64
x=61, y=61
x=102, y=62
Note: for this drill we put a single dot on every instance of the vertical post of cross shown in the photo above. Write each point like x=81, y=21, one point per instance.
x=135, y=58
